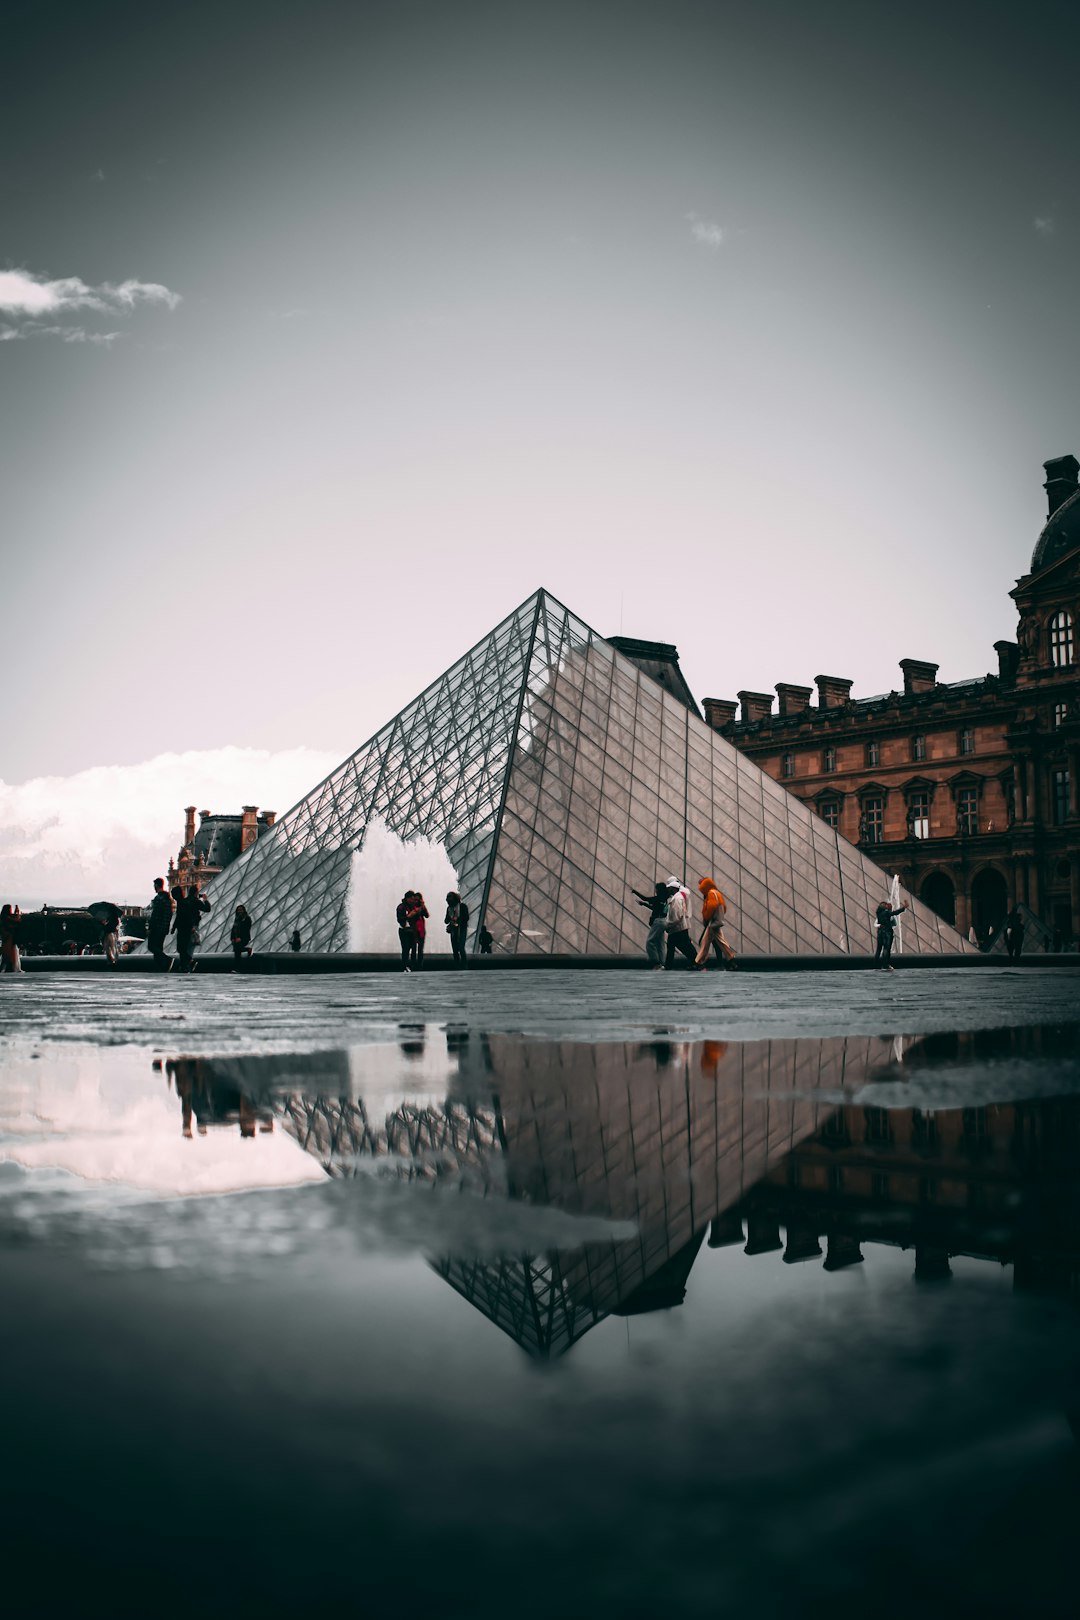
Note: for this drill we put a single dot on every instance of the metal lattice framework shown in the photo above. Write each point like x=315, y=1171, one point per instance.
x=558, y=775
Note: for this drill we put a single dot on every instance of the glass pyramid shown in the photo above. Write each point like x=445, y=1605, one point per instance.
x=558, y=776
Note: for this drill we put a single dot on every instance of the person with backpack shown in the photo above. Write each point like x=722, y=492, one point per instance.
x=713, y=912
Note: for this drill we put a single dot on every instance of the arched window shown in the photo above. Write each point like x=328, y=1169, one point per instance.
x=873, y=753
x=918, y=746
x=967, y=740
x=828, y=759
x=1061, y=640
x=787, y=765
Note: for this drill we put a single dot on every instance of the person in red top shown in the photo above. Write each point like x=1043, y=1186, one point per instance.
x=418, y=913
x=713, y=912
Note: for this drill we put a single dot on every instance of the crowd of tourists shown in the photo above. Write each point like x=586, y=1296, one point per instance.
x=668, y=938
x=670, y=916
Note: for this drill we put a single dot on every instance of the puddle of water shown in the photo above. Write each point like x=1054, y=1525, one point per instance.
x=784, y=1292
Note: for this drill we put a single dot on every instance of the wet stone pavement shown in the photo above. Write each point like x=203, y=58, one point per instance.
x=509, y=1294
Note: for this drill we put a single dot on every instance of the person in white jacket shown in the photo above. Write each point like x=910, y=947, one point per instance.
x=678, y=924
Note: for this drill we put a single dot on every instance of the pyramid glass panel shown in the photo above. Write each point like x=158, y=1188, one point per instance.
x=558, y=777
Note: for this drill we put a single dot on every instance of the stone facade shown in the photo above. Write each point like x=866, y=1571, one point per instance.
x=967, y=790
x=208, y=849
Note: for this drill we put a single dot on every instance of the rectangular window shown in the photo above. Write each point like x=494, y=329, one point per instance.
x=967, y=740
x=1061, y=714
x=919, y=814
x=828, y=760
x=873, y=754
x=873, y=820
x=967, y=811
x=1061, y=640
x=1061, y=797
x=829, y=811
x=787, y=765
x=918, y=746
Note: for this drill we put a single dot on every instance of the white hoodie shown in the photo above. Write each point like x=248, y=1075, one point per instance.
x=678, y=908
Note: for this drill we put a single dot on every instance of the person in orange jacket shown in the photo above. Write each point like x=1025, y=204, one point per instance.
x=713, y=912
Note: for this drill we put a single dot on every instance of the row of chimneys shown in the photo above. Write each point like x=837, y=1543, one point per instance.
x=248, y=824
x=833, y=691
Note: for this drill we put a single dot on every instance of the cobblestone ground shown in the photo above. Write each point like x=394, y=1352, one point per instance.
x=241, y=1014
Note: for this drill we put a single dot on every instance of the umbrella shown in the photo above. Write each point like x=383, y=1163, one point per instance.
x=102, y=909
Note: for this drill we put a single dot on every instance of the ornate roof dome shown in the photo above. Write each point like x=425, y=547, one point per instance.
x=1062, y=532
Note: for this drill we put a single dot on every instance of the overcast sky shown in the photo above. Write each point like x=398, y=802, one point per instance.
x=330, y=331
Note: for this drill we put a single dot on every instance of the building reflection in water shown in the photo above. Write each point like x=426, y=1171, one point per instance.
x=705, y=1143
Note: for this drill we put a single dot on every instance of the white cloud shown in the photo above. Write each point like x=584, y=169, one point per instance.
x=1044, y=224
x=706, y=232
x=67, y=334
x=32, y=299
x=109, y=831
x=23, y=293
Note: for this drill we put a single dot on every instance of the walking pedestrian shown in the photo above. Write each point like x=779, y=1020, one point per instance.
x=190, y=906
x=677, y=924
x=405, y=930
x=240, y=937
x=657, y=906
x=10, y=918
x=713, y=912
x=110, y=931
x=886, y=928
x=158, y=926
x=418, y=915
x=1014, y=933
x=457, y=926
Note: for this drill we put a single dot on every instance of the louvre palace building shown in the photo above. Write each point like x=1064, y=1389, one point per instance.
x=967, y=790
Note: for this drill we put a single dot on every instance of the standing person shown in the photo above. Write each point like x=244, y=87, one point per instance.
x=10, y=918
x=1014, y=933
x=405, y=929
x=190, y=905
x=240, y=937
x=418, y=916
x=678, y=924
x=713, y=912
x=657, y=906
x=294, y=943
x=457, y=926
x=886, y=928
x=158, y=926
x=110, y=929
x=487, y=940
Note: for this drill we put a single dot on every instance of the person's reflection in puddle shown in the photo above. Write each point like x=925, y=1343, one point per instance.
x=411, y=1039
x=184, y=1073
x=210, y=1099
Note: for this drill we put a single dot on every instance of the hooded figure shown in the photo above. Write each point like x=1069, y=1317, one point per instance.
x=677, y=923
x=713, y=912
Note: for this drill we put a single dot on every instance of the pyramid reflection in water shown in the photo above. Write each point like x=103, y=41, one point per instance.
x=558, y=776
x=673, y=1140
